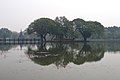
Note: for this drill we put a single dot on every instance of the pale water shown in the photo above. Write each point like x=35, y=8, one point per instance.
x=60, y=61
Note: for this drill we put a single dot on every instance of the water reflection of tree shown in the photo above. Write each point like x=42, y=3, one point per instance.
x=112, y=46
x=89, y=54
x=63, y=54
x=6, y=47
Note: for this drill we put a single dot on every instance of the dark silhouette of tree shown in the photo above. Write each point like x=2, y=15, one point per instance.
x=87, y=28
x=41, y=27
x=65, y=28
x=6, y=47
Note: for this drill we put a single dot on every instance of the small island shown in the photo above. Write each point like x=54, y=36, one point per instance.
x=61, y=29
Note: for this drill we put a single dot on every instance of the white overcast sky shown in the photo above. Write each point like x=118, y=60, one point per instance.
x=18, y=14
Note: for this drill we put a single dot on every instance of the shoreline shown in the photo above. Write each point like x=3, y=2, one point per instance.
x=56, y=41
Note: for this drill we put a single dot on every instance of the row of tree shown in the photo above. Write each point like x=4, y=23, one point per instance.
x=6, y=33
x=112, y=33
x=61, y=28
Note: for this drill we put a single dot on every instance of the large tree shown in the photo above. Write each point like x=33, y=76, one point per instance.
x=61, y=28
x=41, y=27
x=65, y=28
x=87, y=28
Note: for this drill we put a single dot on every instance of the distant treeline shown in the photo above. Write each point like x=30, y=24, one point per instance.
x=6, y=33
x=112, y=32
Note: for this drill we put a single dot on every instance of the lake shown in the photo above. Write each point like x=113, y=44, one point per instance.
x=60, y=61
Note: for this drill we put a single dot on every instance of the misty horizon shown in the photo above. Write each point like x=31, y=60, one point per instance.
x=16, y=15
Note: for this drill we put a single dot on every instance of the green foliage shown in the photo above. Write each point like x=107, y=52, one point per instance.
x=61, y=28
x=65, y=28
x=112, y=33
x=87, y=28
x=5, y=33
x=41, y=27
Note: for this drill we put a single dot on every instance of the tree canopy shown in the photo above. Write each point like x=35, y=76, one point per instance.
x=87, y=28
x=65, y=28
x=41, y=27
x=61, y=28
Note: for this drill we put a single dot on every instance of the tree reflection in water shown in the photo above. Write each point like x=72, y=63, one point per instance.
x=4, y=49
x=62, y=54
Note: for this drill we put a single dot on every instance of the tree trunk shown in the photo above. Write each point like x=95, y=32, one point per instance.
x=85, y=39
x=44, y=38
x=41, y=38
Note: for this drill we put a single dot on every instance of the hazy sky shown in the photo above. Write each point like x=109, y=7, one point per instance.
x=18, y=14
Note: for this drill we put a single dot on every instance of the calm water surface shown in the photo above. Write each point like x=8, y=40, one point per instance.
x=60, y=61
